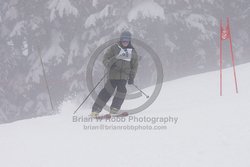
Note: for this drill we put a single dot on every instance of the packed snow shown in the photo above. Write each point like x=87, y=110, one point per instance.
x=203, y=129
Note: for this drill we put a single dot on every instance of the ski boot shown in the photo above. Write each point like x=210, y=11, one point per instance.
x=114, y=111
x=94, y=114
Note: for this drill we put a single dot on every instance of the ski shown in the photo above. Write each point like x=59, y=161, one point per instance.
x=109, y=116
x=105, y=116
x=123, y=114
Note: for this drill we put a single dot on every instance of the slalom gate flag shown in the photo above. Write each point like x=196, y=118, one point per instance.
x=225, y=33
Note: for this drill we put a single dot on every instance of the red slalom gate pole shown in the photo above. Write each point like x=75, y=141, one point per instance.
x=225, y=33
x=232, y=55
x=220, y=58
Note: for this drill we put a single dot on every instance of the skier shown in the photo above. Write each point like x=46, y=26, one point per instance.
x=122, y=61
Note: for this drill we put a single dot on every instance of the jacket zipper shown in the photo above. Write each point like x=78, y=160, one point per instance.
x=121, y=69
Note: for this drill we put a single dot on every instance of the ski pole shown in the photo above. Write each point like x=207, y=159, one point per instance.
x=91, y=92
x=45, y=78
x=147, y=96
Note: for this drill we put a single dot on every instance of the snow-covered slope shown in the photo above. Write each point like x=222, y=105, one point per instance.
x=211, y=131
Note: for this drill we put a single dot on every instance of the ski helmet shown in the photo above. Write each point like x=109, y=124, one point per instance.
x=125, y=36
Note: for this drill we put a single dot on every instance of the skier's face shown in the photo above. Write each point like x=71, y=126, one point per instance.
x=125, y=43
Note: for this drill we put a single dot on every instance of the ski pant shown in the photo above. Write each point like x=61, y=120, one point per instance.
x=107, y=92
